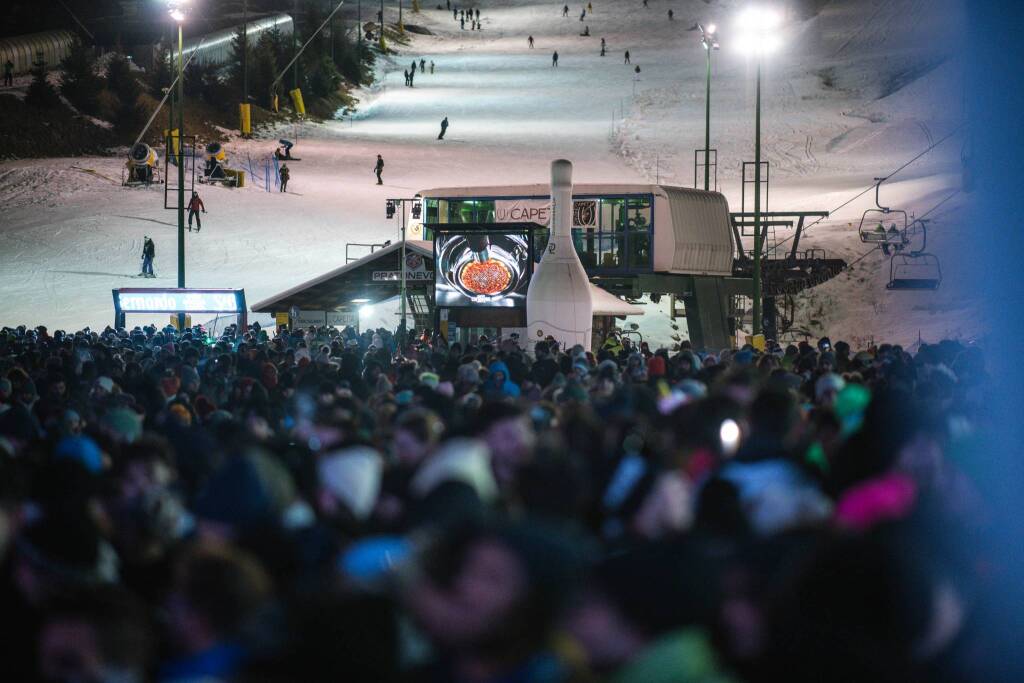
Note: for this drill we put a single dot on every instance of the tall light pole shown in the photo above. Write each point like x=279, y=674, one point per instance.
x=176, y=9
x=708, y=40
x=758, y=36
x=245, y=51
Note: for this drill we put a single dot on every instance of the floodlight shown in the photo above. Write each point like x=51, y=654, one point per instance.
x=389, y=208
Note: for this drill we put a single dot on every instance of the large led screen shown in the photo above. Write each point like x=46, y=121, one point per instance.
x=482, y=269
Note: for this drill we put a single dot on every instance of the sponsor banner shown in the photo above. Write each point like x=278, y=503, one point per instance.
x=321, y=318
x=584, y=211
x=522, y=211
x=340, y=318
x=176, y=300
x=396, y=276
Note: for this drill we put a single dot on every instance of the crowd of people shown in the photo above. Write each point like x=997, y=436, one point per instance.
x=324, y=505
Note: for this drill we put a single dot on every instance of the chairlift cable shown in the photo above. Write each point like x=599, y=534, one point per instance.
x=872, y=186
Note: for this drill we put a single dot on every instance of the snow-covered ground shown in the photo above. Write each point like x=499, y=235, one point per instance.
x=856, y=92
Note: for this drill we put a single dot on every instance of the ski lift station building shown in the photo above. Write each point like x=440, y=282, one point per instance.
x=633, y=240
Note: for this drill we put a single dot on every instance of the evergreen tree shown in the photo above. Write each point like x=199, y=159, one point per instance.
x=40, y=93
x=234, y=65
x=79, y=82
x=263, y=71
x=163, y=73
x=325, y=79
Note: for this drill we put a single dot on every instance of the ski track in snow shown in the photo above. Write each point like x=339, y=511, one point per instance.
x=69, y=235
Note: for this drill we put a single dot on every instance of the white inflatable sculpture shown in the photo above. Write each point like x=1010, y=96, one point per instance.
x=558, y=302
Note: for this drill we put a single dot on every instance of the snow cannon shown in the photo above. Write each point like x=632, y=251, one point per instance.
x=141, y=166
x=143, y=155
x=214, y=150
x=558, y=301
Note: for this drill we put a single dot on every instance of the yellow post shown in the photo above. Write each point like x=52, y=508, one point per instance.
x=300, y=106
x=245, y=119
x=173, y=135
x=275, y=103
x=383, y=44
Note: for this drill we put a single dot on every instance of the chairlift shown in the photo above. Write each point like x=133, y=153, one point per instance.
x=916, y=269
x=883, y=226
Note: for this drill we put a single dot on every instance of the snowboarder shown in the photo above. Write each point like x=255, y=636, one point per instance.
x=586, y=31
x=412, y=69
x=148, y=253
x=8, y=73
x=478, y=15
x=462, y=23
x=455, y=15
x=671, y=15
x=637, y=69
x=554, y=59
x=406, y=72
x=627, y=57
x=583, y=13
x=431, y=66
x=565, y=10
x=444, y=127
x=423, y=66
x=285, y=175
x=379, y=168
x=195, y=205
x=530, y=41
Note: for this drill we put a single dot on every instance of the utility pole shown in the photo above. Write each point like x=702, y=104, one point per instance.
x=295, y=31
x=245, y=51
x=757, y=207
x=181, y=170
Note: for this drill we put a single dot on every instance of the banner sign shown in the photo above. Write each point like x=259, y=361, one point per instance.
x=156, y=300
x=301, y=318
x=396, y=276
x=584, y=211
x=522, y=211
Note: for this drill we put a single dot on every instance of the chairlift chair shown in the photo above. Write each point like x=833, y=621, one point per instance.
x=917, y=269
x=873, y=229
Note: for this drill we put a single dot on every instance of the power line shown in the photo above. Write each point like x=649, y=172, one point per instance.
x=871, y=187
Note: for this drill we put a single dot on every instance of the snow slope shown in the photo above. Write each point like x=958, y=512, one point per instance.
x=69, y=236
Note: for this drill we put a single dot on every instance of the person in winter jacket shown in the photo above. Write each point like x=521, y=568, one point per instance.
x=285, y=175
x=195, y=205
x=379, y=168
x=148, y=253
x=499, y=383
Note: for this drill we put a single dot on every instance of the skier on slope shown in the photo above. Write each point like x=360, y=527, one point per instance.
x=565, y=10
x=285, y=175
x=423, y=66
x=530, y=41
x=627, y=57
x=195, y=205
x=148, y=254
x=444, y=128
x=379, y=169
